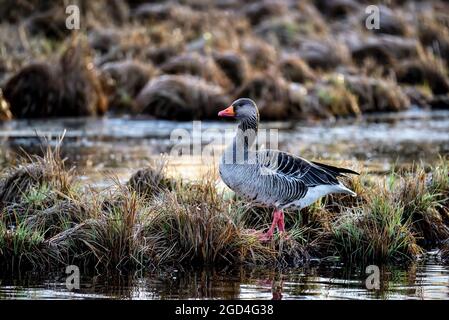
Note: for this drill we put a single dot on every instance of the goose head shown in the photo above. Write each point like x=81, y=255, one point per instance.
x=241, y=109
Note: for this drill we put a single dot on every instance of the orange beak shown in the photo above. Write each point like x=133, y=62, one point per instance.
x=228, y=112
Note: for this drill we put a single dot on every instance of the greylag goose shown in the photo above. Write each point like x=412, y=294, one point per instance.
x=271, y=177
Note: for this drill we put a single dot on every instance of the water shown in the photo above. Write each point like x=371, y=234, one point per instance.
x=424, y=280
x=101, y=146
x=98, y=147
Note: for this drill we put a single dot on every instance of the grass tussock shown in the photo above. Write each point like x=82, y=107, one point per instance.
x=34, y=200
x=48, y=218
x=44, y=89
x=180, y=97
x=37, y=183
x=375, y=233
x=228, y=46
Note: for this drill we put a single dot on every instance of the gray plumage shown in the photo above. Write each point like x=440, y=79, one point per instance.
x=273, y=177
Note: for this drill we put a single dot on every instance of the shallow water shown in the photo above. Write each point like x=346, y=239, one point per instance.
x=99, y=147
x=423, y=280
x=118, y=146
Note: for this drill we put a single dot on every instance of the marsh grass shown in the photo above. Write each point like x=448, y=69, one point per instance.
x=22, y=247
x=375, y=233
x=423, y=207
x=397, y=217
x=48, y=218
x=222, y=55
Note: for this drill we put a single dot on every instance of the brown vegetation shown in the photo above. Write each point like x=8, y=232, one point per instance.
x=180, y=97
x=68, y=88
x=124, y=80
x=231, y=46
x=48, y=218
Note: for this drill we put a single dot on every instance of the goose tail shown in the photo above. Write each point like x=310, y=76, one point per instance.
x=335, y=170
x=345, y=190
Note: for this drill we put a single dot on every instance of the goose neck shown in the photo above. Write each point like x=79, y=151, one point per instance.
x=239, y=150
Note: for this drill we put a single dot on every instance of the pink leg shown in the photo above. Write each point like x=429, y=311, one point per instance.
x=281, y=223
x=281, y=226
x=277, y=215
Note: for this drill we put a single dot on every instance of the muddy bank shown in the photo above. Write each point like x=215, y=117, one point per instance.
x=285, y=55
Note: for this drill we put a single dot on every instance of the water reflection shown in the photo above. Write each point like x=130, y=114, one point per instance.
x=422, y=280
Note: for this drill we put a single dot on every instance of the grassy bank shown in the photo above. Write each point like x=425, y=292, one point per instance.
x=184, y=60
x=49, y=218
